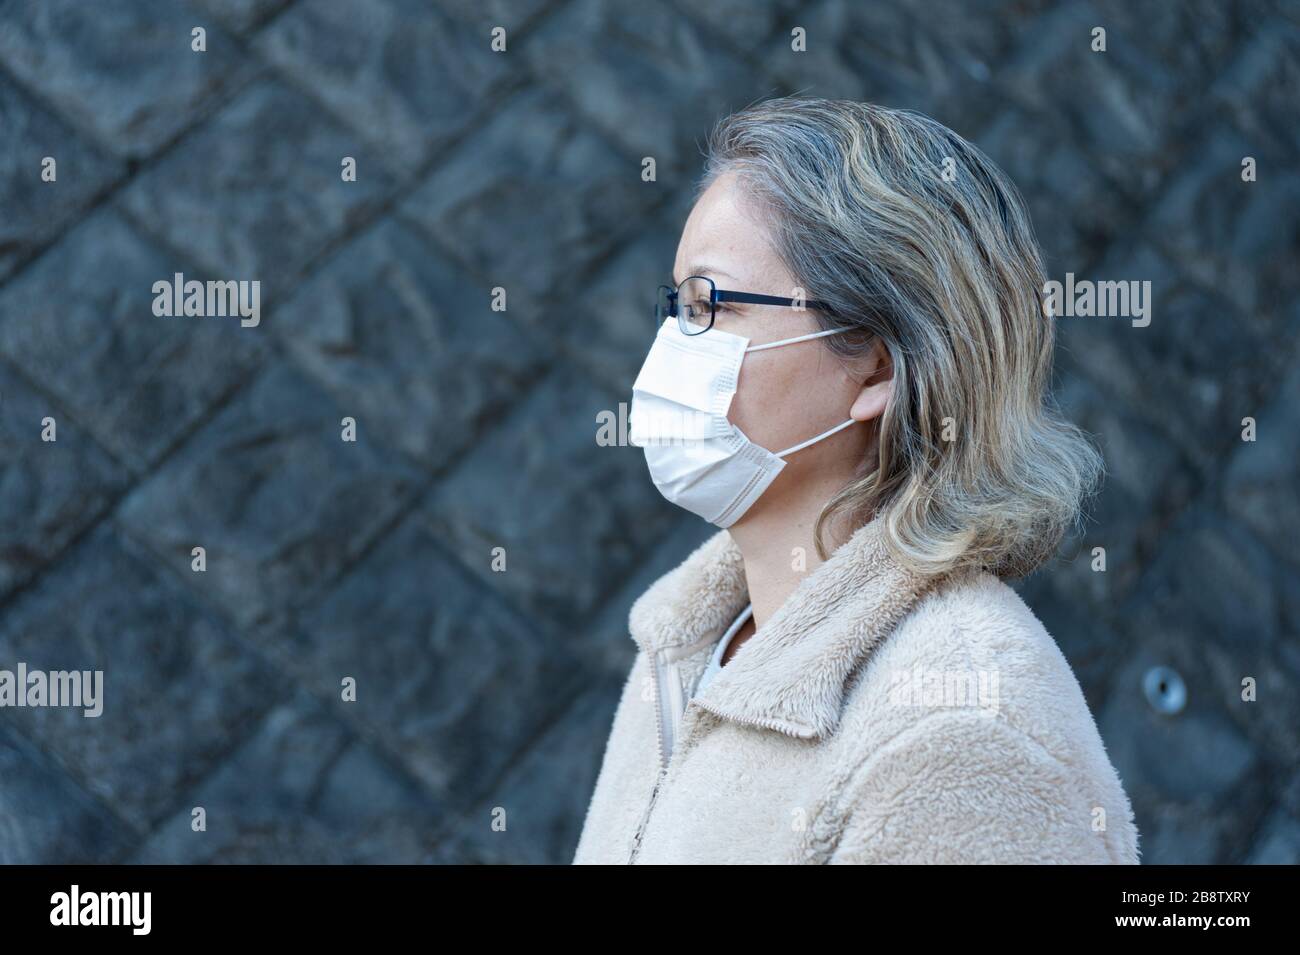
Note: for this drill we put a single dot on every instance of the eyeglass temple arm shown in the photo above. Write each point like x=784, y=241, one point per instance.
x=753, y=298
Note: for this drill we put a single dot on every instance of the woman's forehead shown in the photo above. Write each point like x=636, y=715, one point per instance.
x=724, y=239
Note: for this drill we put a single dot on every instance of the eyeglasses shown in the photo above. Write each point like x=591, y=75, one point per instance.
x=694, y=303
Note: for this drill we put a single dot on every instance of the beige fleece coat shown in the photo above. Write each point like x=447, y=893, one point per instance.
x=875, y=718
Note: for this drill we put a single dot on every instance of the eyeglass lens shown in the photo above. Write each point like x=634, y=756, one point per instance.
x=691, y=303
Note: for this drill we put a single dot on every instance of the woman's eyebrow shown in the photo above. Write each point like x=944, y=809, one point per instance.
x=706, y=270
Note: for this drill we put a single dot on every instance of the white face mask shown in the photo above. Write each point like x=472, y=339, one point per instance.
x=698, y=459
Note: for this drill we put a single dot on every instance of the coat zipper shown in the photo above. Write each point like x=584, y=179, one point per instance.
x=645, y=817
x=656, y=678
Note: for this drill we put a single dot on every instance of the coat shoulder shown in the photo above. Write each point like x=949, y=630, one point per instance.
x=971, y=680
x=975, y=633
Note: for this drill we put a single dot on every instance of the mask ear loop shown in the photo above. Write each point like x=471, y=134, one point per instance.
x=825, y=434
x=800, y=338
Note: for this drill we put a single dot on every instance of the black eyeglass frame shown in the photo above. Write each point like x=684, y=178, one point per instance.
x=717, y=295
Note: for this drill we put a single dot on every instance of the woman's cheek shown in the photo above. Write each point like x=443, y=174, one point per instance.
x=774, y=401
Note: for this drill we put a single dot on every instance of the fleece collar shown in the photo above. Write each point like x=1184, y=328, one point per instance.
x=791, y=675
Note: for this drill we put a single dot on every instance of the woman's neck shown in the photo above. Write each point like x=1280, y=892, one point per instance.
x=777, y=545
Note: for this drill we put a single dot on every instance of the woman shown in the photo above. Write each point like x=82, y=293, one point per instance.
x=840, y=675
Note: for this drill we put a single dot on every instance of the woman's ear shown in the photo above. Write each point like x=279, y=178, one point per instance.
x=877, y=386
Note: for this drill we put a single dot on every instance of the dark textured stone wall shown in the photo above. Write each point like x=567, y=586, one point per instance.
x=480, y=689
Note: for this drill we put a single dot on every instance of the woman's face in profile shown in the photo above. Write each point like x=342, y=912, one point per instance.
x=784, y=394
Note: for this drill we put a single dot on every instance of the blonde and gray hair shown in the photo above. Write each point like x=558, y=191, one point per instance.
x=913, y=235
